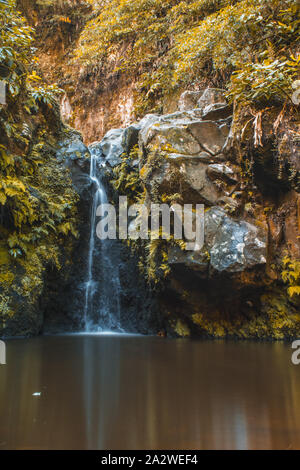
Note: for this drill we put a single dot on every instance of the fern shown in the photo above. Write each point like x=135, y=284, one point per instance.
x=291, y=275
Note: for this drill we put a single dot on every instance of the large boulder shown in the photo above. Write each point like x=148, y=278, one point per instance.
x=184, y=159
x=177, y=150
x=209, y=104
x=230, y=246
x=183, y=155
x=185, y=132
x=221, y=171
x=115, y=143
x=211, y=96
x=190, y=100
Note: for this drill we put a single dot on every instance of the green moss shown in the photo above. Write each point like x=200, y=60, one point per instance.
x=277, y=319
x=181, y=329
x=282, y=318
x=5, y=308
x=291, y=275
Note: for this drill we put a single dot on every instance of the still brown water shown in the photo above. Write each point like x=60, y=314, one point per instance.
x=130, y=392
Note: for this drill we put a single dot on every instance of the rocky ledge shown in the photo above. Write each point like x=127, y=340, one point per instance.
x=230, y=286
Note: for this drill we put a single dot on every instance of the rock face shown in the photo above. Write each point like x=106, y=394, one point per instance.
x=192, y=149
x=42, y=294
x=194, y=166
x=64, y=296
x=184, y=158
x=59, y=304
x=203, y=99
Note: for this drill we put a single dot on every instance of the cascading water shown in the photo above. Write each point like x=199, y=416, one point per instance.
x=102, y=289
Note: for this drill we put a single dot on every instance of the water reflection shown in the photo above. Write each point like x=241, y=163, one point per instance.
x=115, y=392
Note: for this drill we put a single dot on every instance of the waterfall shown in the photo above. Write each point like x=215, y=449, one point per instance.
x=102, y=288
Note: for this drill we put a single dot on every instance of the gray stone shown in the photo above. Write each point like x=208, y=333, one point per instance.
x=209, y=135
x=130, y=137
x=188, y=100
x=203, y=157
x=221, y=171
x=233, y=245
x=211, y=96
x=144, y=126
x=117, y=142
x=71, y=148
x=111, y=146
x=96, y=147
x=184, y=133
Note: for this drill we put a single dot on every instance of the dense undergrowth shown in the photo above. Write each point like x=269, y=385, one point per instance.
x=37, y=200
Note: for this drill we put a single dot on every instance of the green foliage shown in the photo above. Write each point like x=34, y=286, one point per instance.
x=291, y=275
x=46, y=95
x=15, y=47
x=170, y=44
x=228, y=40
x=37, y=199
x=137, y=37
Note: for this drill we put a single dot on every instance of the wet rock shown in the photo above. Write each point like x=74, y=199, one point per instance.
x=112, y=147
x=55, y=299
x=117, y=142
x=230, y=246
x=130, y=137
x=62, y=302
x=76, y=157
